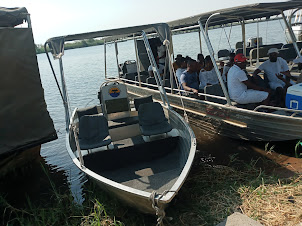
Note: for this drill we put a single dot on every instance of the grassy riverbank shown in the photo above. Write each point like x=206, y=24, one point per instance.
x=74, y=45
x=211, y=193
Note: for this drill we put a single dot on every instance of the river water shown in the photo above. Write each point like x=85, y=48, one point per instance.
x=84, y=73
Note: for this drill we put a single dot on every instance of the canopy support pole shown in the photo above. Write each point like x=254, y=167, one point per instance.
x=291, y=34
x=159, y=83
x=116, y=57
x=257, y=63
x=138, y=63
x=105, y=62
x=64, y=92
x=211, y=51
x=200, y=43
x=290, y=30
x=243, y=37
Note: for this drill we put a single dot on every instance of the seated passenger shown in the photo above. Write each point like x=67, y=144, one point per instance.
x=241, y=89
x=208, y=76
x=228, y=65
x=189, y=78
x=200, y=62
x=177, y=62
x=179, y=71
x=277, y=72
x=160, y=67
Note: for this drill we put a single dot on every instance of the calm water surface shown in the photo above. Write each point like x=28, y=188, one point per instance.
x=84, y=73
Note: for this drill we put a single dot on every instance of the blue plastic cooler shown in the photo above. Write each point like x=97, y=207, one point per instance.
x=294, y=97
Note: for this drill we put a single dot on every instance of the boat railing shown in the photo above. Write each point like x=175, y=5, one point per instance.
x=293, y=111
x=187, y=94
x=174, y=89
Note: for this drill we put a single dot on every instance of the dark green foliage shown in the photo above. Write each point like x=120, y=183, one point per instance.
x=74, y=45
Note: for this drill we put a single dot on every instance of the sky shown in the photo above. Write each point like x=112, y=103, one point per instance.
x=52, y=18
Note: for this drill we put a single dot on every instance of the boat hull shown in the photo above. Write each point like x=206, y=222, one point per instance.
x=231, y=121
x=140, y=199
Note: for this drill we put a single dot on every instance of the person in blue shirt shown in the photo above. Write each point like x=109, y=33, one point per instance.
x=189, y=78
x=180, y=71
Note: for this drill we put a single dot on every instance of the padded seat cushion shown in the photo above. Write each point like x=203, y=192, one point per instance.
x=159, y=128
x=152, y=119
x=93, y=132
x=142, y=100
x=87, y=111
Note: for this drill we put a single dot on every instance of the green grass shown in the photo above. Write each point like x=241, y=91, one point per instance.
x=209, y=195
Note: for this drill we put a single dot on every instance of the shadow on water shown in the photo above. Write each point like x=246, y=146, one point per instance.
x=34, y=181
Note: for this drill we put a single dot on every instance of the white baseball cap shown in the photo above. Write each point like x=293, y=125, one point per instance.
x=298, y=60
x=272, y=50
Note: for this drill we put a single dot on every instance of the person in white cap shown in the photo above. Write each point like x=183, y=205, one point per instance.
x=277, y=72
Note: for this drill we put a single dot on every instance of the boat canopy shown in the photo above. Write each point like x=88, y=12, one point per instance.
x=230, y=15
x=10, y=17
x=162, y=29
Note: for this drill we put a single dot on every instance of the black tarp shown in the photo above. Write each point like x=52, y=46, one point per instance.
x=24, y=119
x=10, y=17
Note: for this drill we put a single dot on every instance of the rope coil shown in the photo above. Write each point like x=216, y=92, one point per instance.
x=160, y=212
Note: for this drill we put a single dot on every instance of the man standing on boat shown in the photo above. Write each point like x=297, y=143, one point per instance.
x=189, y=78
x=277, y=72
x=241, y=89
x=161, y=53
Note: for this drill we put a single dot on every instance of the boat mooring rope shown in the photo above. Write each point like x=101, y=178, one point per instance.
x=167, y=43
x=160, y=213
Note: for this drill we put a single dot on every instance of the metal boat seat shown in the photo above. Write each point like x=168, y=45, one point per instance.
x=87, y=111
x=291, y=45
x=143, y=78
x=151, y=80
x=167, y=83
x=288, y=54
x=223, y=53
x=152, y=119
x=130, y=76
x=214, y=90
x=142, y=100
x=121, y=122
x=93, y=132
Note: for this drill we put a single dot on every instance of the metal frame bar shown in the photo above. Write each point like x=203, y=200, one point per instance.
x=105, y=62
x=294, y=111
x=200, y=43
x=64, y=92
x=159, y=83
x=210, y=48
x=116, y=57
x=138, y=64
x=290, y=30
x=291, y=34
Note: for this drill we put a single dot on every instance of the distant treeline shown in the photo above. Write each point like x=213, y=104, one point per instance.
x=73, y=45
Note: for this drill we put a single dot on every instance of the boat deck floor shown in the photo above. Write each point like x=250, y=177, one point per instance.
x=159, y=174
x=145, y=166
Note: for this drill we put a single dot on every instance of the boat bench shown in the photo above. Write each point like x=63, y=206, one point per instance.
x=217, y=91
x=128, y=152
x=117, y=123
